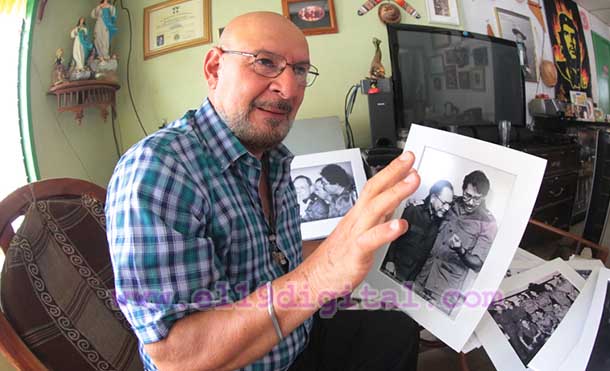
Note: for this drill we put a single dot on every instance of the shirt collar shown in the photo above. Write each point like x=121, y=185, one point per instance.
x=225, y=146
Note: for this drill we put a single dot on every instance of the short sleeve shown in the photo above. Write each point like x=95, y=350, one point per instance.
x=165, y=266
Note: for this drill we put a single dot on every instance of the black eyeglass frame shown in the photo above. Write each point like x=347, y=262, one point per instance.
x=315, y=73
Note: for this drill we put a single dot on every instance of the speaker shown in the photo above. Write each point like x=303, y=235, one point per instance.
x=381, y=113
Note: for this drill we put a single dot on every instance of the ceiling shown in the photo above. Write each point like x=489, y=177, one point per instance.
x=599, y=8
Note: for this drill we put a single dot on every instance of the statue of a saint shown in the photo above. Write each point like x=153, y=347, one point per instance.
x=82, y=44
x=60, y=74
x=105, y=28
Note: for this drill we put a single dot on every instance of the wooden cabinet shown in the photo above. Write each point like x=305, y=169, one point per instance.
x=557, y=191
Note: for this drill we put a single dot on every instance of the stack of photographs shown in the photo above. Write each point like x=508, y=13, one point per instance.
x=535, y=322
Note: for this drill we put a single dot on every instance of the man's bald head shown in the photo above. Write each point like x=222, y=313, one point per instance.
x=260, y=25
x=258, y=108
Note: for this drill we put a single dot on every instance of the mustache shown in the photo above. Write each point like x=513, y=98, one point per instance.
x=280, y=105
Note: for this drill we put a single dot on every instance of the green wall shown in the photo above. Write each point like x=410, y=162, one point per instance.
x=63, y=148
x=166, y=86
x=602, y=59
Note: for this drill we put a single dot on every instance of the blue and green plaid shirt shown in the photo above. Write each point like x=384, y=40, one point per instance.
x=187, y=230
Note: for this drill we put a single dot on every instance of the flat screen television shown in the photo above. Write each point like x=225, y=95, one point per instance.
x=449, y=78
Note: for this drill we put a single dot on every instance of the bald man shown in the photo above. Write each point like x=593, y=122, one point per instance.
x=203, y=227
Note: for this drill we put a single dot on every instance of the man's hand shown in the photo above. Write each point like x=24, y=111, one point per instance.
x=345, y=257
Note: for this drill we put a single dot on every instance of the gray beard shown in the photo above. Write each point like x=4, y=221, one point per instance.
x=255, y=140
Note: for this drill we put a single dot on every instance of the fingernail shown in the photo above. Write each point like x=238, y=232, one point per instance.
x=395, y=225
x=404, y=156
x=411, y=177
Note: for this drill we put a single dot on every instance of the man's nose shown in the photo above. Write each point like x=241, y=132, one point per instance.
x=286, y=84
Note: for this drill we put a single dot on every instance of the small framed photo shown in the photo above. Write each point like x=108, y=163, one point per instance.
x=477, y=79
x=466, y=221
x=518, y=28
x=327, y=186
x=578, y=98
x=443, y=11
x=176, y=24
x=313, y=17
x=537, y=319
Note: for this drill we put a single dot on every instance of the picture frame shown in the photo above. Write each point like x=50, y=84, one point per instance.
x=578, y=98
x=176, y=24
x=443, y=11
x=524, y=293
x=518, y=28
x=313, y=17
x=321, y=206
x=511, y=195
x=477, y=79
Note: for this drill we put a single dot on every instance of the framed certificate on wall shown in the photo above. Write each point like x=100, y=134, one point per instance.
x=176, y=24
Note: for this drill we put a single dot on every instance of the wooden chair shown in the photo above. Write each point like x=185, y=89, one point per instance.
x=599, y=252
x=69, y=204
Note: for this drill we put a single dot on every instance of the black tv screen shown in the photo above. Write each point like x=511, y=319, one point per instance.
x=450, y=78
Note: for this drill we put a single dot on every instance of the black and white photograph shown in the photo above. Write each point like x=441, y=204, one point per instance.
x=452, y=230
x=518, y=28
x=327, y=186
x=521, y=329
x=590, y=350
x=528, y=318
x=464, y=227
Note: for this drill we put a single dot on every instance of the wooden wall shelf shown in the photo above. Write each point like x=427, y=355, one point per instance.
x=75, y=96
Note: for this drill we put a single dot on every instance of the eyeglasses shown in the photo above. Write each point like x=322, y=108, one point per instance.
x=446, y=205
x=272, y=65
x=468, y=197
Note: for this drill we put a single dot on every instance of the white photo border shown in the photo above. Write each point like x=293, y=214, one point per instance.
x=319, y=229
x=528, y=171
x=581, y=352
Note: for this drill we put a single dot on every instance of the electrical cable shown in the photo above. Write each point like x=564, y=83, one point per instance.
x=133, y=104
x=350, y=99
x=116, y=141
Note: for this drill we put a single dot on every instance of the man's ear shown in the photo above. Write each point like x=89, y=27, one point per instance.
x=211, y=64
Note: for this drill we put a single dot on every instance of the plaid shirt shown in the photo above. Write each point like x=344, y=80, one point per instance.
x=187, y=231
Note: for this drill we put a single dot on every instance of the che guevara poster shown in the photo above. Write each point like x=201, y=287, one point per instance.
x=569, y=48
